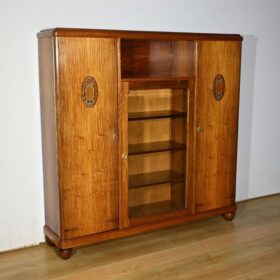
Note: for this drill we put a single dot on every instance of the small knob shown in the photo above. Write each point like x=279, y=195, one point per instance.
x=115, y=136
x=200, y=129
x=124, y=156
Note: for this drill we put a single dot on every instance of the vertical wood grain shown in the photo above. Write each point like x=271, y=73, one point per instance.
x=48, y=128
x=88, y=152
x=86, y=165
x=190, y=149
x=123, y=163
x=183, y=58
x=217, y=142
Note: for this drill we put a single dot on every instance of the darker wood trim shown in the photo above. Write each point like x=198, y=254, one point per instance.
x=109, y=235
x=128, y=34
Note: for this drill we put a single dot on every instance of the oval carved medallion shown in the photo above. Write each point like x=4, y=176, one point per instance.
x=219, y=87
x=89, y=92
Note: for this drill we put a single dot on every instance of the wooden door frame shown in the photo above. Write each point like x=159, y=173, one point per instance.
x=123, y=144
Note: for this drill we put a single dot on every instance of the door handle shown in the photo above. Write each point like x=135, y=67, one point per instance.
x=124, y=156
x=115, y=136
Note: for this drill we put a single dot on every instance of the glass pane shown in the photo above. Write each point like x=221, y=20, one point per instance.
x=157, y=122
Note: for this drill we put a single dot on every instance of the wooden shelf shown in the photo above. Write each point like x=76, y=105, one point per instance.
x=155, y=115
x=157, y=78
x=153, y=209
x=155, y=178
x=140, y=84
x=154, y=147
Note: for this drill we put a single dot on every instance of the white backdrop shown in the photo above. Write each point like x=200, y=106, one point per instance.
x=21, y=188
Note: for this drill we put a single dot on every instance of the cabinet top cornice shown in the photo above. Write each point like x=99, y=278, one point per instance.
x=77, y=32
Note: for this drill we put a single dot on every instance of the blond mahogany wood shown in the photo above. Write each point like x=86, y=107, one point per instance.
x=157, y=58
x=145, y=58
x=88, y=179
x=178, y=132
x=155, y=210
x=176, y=79
x=123, y=162
x=178, y=83
x=148, y=194
x=146, y=100
x=147, y=131
x=152, y=89
x=155, y=96
x=155, y=147
x=183, y=58
x=136, y=227
x=156, y=213
x=217, y=124
x=47, y=64
x=190, y=150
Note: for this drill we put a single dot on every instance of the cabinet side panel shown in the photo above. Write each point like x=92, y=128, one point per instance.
x=48, y=128
x=218, y=125
x=87, y=142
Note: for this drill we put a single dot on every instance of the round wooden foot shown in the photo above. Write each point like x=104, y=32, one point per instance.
x=229, y=216
x=49, y=242
x=65, y=253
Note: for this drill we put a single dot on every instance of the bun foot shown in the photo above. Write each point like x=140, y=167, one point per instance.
x=65, y=254
x=49, y=242
x=229, y=216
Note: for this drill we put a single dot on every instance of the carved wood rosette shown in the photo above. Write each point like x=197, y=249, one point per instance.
x=89, y=91
x=219, y=87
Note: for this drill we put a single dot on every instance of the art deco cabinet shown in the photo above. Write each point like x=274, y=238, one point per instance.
x=139, y=131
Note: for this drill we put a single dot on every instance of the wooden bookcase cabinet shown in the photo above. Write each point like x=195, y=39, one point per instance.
x=139, y=131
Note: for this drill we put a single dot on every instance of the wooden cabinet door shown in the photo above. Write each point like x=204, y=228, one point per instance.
x=87, y=141
x=217, y=123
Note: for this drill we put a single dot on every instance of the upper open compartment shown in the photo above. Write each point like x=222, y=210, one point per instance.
x=157, y=59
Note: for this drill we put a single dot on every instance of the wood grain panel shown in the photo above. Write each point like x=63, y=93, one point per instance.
x=218, y=120
x=191, y=148
x=183, y=58
x=148, y=131
x=139, y=164
x=146, y=84
x=157, y=58
x=143, y=58
x=48, y=127
x=149, y=100
x=123, y=162
x=149, y=195
x=88, y=152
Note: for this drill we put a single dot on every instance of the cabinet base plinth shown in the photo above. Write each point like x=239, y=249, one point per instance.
x=65, y=247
